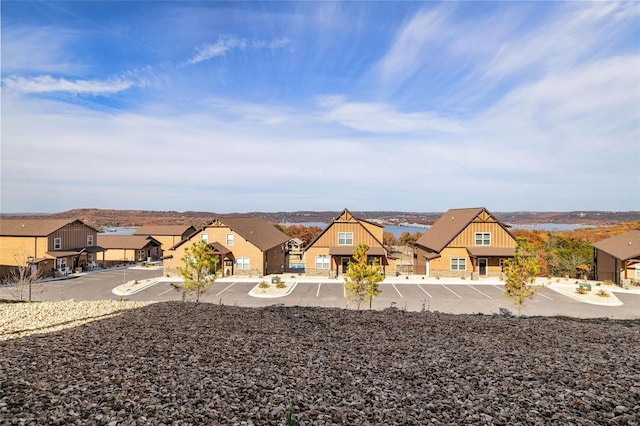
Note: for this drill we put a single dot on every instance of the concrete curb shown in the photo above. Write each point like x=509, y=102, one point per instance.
x=257, y=292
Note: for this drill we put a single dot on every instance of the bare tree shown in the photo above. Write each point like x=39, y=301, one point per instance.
x=20, y=279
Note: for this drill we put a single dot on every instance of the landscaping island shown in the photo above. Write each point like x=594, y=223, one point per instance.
x=130, y=363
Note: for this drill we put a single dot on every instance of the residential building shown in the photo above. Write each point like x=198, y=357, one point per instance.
x=464, y=243
x=329, y=254
x=245, y=245
x=120, y=249
x=617, y=259
x=167, y=235
x=53, y=246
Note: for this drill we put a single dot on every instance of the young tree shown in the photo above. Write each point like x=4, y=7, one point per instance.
x=20, y=279
x=520, y=274
x=362, y=278
x=200, y=269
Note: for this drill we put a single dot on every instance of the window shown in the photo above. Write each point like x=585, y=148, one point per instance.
x=322, y=262
x=637, y=270
x=483, y=238
x=204, y=237
x=229, y=239
x=458, y=264
x=62, y=264
x=345, y=238
x=242, y=263
x=89, y=240
x=57, y=243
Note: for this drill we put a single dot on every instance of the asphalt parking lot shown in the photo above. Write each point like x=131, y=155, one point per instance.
x=448, y=297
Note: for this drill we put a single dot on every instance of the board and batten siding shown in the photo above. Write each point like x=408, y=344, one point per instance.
x=72, y=236
x=360, y=235
x=499, y=237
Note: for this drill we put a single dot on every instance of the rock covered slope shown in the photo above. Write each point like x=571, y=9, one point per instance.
x=186, y=363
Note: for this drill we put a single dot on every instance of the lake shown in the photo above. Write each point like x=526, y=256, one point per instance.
x=396, y=230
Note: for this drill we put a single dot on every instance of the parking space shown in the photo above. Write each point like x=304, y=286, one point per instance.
x=444, y=296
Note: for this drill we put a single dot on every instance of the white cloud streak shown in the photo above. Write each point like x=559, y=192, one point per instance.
x=49, y=84
x=228, y=43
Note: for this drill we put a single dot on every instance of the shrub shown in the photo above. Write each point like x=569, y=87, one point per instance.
x=603, y=293
x=263, y=284
x=280, y=284
x=582, y=290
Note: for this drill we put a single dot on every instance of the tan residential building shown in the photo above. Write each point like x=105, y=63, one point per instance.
x=167, y=235
x=464, y=243
x=329, y=254
x=617, y=259
x=54, y=246
x=245, y=245
x=122, y=249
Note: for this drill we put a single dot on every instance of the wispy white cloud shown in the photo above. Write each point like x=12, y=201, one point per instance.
x=381, y=118
x=39, y=49
x=407, y=52
x=578, y=31
x=219, y=48
x=229, y=43
x=49, y=84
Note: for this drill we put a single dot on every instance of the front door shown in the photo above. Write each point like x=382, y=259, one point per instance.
x=482, y=266
x=345, y=264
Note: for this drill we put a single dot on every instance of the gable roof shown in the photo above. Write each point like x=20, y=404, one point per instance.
x=125, y=241
x=34, y=227
x=256, y=230
x=624, y=246
x=346, y=215
x=449, y=226
x=164, y=230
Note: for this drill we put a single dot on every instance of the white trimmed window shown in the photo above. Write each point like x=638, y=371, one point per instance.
x=57, y=243
x=345, y=238
x=483, y=238
x=204, y=237
x=61, y=263
x=89, y=240
x=229, y=240
x=637, y=271
x=458, y=264
x=322, y=262
x=242, y=263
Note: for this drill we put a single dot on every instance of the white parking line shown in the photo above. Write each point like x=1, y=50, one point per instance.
x=226, y=288
x=546, y=297
x=318, y=291
x=451, y=290
x=425, y=291
x=484, y=294
x=165, y=292
x=400, y=294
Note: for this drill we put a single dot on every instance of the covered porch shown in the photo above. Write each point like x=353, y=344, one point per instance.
x=342, y=255
x=70, y=261
x=489, y=261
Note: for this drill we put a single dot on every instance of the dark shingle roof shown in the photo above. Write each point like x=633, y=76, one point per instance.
x=256, y=230
x=125, y=241
x=449, y=226
x=624, y=246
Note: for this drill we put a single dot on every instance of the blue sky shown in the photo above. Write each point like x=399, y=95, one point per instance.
x=282, y=106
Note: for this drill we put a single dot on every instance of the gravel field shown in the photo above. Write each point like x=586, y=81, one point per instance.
x=125, y=363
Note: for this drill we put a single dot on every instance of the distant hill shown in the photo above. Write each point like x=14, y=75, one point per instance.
x=101, y=218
